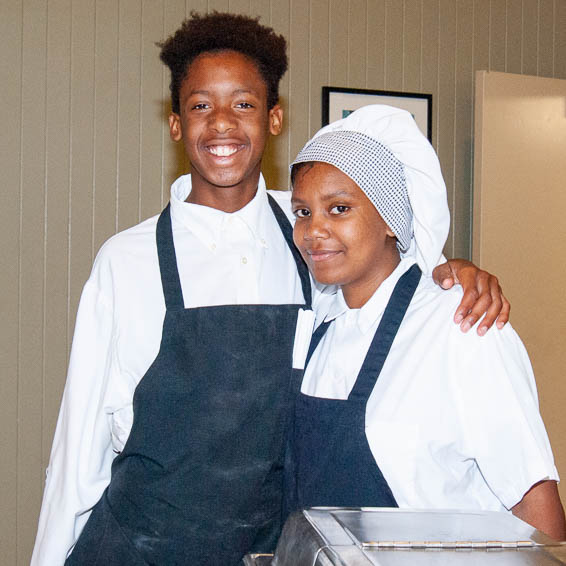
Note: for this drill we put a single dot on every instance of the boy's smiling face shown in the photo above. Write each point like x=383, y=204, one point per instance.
x=224, y=123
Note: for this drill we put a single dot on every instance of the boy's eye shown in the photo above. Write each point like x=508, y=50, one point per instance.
x=200, y=106
x=244, y=105
x=339, y=209
x=301, y=212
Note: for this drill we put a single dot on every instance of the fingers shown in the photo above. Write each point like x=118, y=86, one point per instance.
x=471, y=307
x=443, y=276
x=447, y=283
x=499, y=309
x=488, y=299
x=503, y=317
x=493, y=310
x=482, y=295
x=473, y=283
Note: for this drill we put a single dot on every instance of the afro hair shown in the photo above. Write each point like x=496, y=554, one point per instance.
x=216, y=32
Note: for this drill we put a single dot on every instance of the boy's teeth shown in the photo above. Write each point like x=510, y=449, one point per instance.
x=222, y=150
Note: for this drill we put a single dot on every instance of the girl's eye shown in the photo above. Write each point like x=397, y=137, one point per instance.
x=339, y=209
x=301, y=212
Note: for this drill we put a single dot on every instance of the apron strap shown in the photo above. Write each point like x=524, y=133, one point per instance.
x=172, y=290
x=287, y=230
x=316, y=338
x=385, y=333
x=168, y=261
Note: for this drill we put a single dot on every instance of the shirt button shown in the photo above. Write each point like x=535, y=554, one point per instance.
x=244, y=260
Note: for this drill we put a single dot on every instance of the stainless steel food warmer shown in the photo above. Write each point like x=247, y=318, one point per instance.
x=401, y=537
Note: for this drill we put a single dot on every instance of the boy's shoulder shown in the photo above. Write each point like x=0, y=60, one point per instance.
x=134, y=240
x=128, y=253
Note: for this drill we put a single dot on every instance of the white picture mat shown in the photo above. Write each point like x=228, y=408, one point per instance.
x=340, y=101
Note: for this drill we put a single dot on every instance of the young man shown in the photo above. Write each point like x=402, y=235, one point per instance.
x=397, y=408
x=170, y=440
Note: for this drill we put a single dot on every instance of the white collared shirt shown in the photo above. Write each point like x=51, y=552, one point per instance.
x=236, y=258
x=453, y=420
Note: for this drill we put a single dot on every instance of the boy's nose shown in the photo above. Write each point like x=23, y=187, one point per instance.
x=222, y=121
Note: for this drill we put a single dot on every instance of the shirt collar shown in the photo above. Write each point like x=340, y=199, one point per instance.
x=366, y=316
x=207, y=223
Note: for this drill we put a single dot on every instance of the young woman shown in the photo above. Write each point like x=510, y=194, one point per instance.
x=397, y=408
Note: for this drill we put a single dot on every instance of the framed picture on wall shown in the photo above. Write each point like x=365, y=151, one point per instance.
x=338, y=102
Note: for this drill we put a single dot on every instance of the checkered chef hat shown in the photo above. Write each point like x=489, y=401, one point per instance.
x=383, y=151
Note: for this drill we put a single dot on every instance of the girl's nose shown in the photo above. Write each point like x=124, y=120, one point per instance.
x=316, y=227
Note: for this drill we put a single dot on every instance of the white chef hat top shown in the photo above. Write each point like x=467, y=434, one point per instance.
x=383, y=151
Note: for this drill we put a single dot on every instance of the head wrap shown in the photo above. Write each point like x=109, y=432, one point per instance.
x=383, y=181
x=383, y=151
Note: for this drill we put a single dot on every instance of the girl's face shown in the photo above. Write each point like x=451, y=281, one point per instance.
x=340, y=234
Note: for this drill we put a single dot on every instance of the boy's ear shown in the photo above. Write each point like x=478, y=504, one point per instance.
x=175, y=130
x=275, y=120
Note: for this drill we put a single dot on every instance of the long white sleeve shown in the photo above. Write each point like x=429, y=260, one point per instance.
x=81, y=457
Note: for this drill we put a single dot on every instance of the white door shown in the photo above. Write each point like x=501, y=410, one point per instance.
x=519, y=224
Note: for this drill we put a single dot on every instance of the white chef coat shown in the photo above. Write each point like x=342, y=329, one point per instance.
x=223, y=258
x=453, y=421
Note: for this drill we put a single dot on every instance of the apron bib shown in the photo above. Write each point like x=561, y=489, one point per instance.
x=330, y=462
x=200, y=478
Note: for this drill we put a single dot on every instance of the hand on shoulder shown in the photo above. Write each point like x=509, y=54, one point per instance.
x=482, y=296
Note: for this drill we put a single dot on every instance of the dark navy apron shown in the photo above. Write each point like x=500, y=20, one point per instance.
x=330, y=462
x=200, y=479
